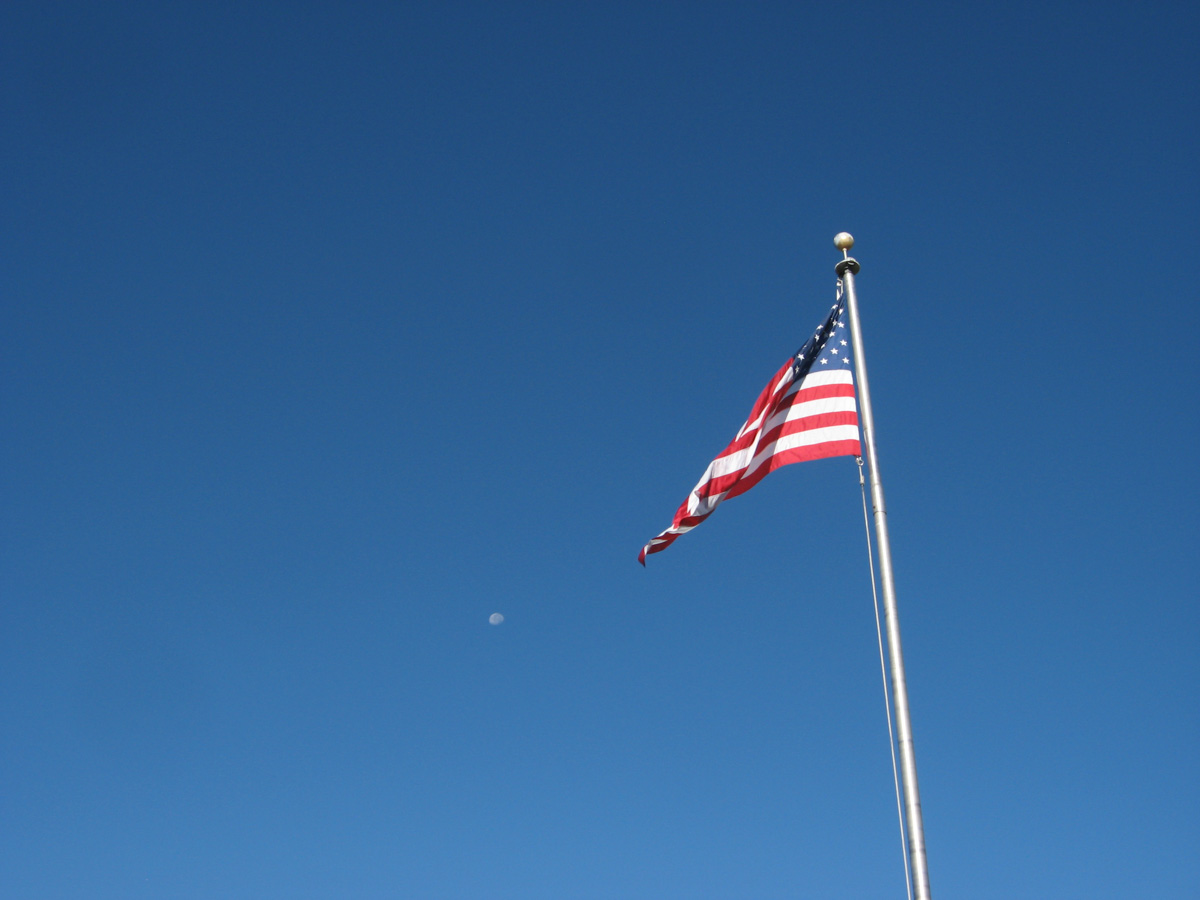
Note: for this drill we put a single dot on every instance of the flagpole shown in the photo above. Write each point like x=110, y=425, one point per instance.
x=846, y=270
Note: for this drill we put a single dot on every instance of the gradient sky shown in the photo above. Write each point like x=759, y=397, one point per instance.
x=330, y=330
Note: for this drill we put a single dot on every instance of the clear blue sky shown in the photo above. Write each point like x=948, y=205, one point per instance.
x=329, y=330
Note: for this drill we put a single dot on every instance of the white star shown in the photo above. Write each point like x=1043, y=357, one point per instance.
x=843, y=343
x=833, y=350
x=824, y=362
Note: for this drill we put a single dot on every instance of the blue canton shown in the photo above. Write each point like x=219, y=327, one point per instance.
x=829, y=347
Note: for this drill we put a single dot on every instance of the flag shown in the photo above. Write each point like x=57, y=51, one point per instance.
x=807, y=411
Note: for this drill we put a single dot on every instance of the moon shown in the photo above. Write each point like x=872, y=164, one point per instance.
x=495, y=619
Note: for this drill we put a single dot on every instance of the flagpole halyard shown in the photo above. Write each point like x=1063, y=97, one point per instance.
x=846, y=270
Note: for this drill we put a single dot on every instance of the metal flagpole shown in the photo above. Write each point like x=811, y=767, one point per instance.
x=846, y=270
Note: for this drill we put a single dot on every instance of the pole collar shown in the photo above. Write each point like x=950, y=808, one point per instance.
x=848, y=263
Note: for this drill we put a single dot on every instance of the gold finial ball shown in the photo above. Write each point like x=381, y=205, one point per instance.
x=843, y=240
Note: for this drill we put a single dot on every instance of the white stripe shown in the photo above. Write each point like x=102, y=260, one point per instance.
x=787, y=376
x=710, y=503
x=779, y=385
x=724, y=465
x=821, y=379
x=827, y=376
x=804, y=439
x=807, y=408
x=811, y=380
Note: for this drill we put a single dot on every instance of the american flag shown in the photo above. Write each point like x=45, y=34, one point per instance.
x=807, y=411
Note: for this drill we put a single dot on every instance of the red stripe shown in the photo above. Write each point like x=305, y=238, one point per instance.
x=794, y=426
x=768, y=393
x=819, y=392
x=808, y=423
x=795, y=455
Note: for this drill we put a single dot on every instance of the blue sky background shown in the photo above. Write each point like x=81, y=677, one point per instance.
x=330, y=330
